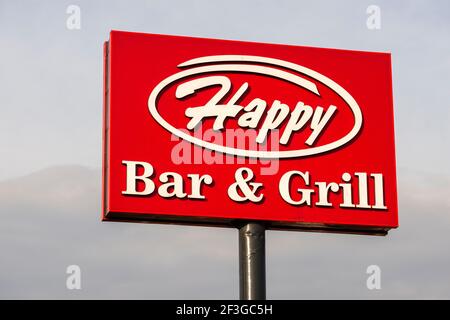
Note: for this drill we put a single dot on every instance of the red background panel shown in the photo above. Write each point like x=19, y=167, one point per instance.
x=136, y=63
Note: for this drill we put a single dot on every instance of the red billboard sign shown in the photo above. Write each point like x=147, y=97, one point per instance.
x=205, y=131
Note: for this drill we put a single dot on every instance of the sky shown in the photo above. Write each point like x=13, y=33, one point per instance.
x=50, y=157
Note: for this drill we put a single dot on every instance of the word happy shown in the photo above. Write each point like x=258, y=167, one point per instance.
x=253, y=113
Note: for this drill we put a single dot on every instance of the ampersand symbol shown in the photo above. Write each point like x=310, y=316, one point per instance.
x=248, y=188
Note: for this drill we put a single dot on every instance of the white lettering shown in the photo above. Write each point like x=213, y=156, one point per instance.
x=253, y=114
x=172, y=183
x=133, y=177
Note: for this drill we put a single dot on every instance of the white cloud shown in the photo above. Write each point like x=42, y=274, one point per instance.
x=51, y=219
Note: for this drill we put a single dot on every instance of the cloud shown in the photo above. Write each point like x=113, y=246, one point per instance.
x=51, y=219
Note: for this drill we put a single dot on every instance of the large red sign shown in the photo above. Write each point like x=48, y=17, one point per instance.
x=206, y=131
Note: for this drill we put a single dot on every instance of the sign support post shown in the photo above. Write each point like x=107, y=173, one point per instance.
x=252, y=261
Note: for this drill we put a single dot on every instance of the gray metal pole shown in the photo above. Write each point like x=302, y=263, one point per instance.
x=252, y=261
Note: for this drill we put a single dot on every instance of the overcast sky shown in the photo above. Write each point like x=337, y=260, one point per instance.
x=50, y=156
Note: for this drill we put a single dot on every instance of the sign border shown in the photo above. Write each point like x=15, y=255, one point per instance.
x=108, y=215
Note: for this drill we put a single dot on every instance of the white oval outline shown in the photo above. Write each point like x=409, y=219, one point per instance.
x=256, y=69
